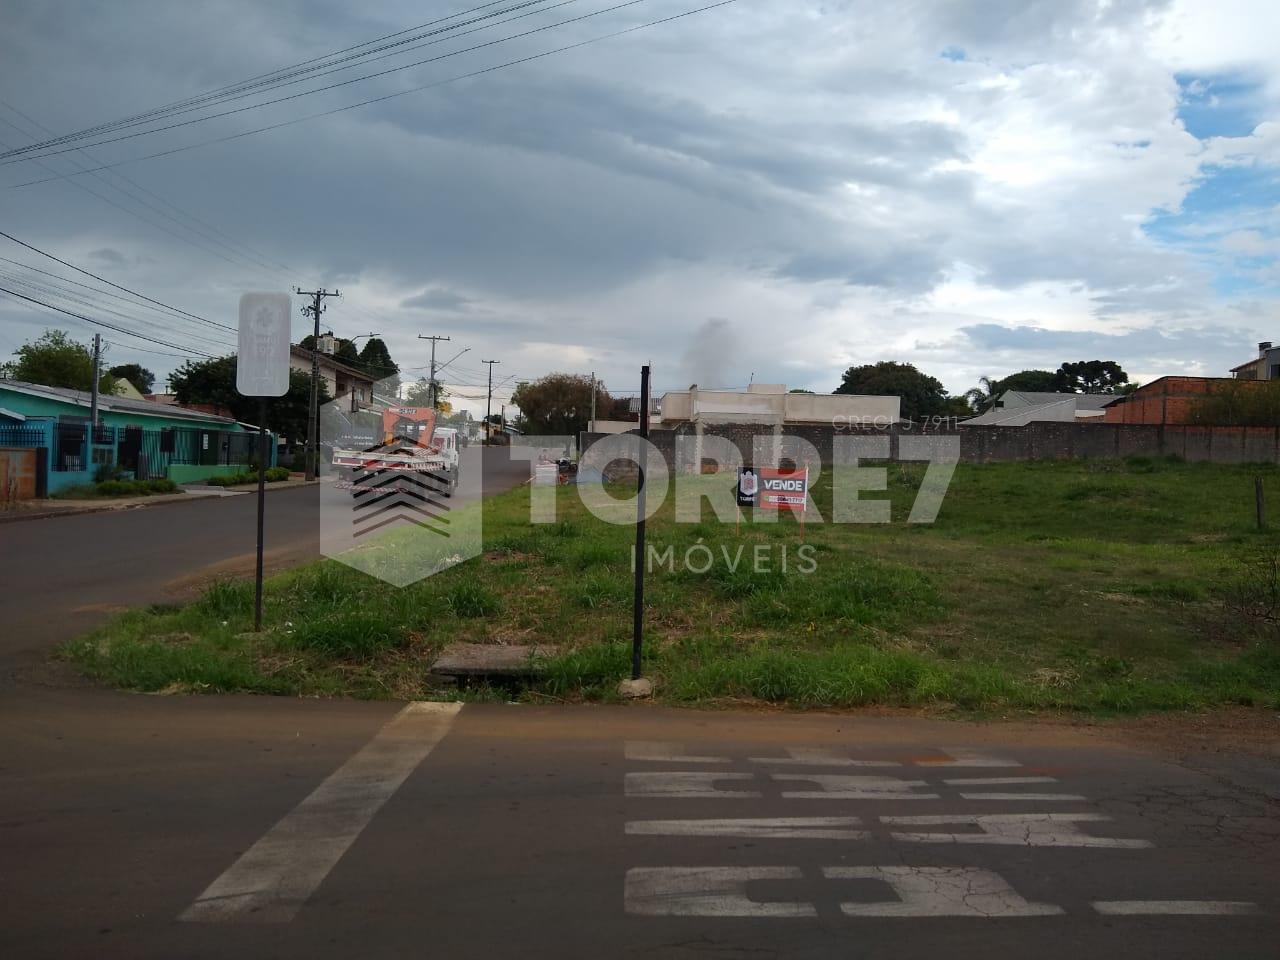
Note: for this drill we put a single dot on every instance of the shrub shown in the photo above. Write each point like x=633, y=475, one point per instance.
x=276, y=474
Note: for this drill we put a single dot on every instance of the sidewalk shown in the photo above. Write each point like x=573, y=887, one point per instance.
x=46, y=508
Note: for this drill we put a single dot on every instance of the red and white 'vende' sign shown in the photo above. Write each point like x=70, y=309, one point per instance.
x=783, y=489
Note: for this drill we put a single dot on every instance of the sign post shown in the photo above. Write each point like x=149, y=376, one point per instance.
x=262, y=371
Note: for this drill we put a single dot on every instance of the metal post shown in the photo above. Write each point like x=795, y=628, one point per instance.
x=637, y=619
x=1259, y=503
x=262, y=502
x=591, y=423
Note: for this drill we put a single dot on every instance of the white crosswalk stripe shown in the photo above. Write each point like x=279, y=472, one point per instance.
x=661, y=751
x=707, y=892
x=791, y=828
x=939, y=892
x=685, y=783
x=840, y=786
x=1012, y=829
x=820, y=757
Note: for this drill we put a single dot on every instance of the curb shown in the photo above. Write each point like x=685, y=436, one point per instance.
x=142, y=505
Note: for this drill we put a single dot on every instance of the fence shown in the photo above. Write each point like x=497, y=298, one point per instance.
x=74, y=453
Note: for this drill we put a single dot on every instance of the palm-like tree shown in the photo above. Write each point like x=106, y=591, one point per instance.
x=983, y=398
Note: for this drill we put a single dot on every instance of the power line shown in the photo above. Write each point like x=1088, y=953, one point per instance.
x=87, y=273
x=103, y=323
x=82, y=301
x=273, y=79
x=391, y=96
x=7, y=160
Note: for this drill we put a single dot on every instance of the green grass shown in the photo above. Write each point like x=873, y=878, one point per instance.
x=1106, y=586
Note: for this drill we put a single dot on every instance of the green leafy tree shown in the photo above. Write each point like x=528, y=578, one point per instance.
x=142, y=379
x=1030, y=381
x=375, y=360
x=921, y=394
x=55, y=360
x=560, y=403
x=213, y=383
x=1091, y=376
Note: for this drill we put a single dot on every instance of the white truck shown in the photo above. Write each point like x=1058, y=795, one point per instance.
x=411, y=443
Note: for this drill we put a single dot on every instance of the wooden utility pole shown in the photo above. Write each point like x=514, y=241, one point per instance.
x=488, y=403
x=313, y=413
x=93, y=389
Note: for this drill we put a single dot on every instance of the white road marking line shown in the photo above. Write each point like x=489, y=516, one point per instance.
x=939, y=892
x=662, y=751
x=963, y=757
x=840, y=786
x=707, y=892
x=795, y=828
x=995, y=781
x=684, y=783
x=821, y=757
x=1174, y=908
x=1022, y=796
x=273, y=878
x=1014, y=829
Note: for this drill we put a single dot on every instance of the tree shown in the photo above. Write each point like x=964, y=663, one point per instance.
x=213, y=383
x=983, y=397
x=560, y=404
x=1091, y=376
x=921, y=394
x=55, y=360
x=375, y=360
x=141, y=378
x=1030, y=381
x=419, y=395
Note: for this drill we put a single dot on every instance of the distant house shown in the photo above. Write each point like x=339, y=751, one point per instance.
x=342, y=380
x=1265, y=366
x=770, y=403
x=1017, y=408
x=140, y=437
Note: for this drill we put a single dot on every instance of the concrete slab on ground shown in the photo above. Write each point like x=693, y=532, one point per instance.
x=475, y=660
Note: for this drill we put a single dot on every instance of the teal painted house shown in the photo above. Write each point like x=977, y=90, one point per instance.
x=141, y=437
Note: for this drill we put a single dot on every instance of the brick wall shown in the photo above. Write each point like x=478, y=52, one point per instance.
x=991, y=444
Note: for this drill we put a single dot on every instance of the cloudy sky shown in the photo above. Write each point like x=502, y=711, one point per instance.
x=768, y=189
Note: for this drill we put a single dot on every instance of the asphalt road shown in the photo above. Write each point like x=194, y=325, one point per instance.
x=150, y=826
x=214, y=827
x=64, y=575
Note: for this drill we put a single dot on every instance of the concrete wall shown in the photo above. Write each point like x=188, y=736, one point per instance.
x=1036, y=441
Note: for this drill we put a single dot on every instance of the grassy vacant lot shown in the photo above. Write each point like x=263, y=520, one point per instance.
x=1094, y=585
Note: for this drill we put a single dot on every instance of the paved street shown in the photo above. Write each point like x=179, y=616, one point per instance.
x=208, y=827
x=64, y=575
x=147, y=826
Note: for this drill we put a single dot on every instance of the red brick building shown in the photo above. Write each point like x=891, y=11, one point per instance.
x=1168, y=400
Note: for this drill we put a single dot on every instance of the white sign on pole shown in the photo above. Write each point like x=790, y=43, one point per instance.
x=262, y=364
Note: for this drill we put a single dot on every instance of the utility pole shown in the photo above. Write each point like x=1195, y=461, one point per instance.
x=591, y=422
x=488, y=403
x=313, y=415
x=93, y=390
x=434, y=391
